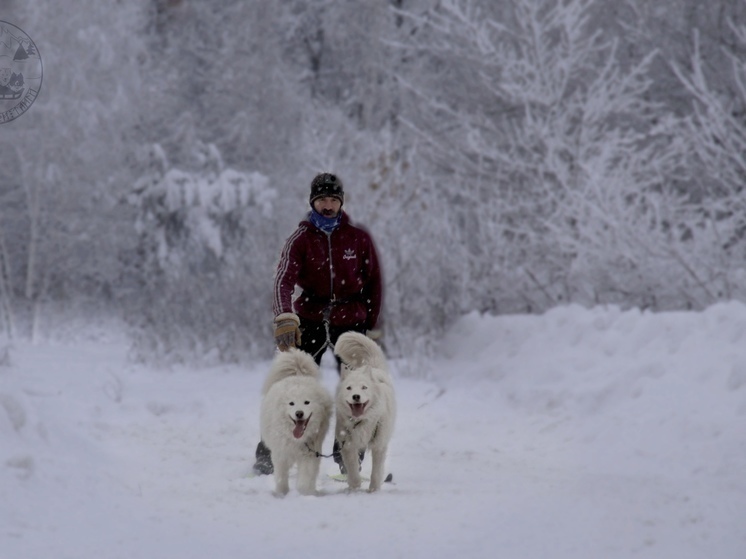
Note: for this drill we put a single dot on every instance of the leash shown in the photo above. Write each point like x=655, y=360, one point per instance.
x=328, y=342
x=318, y=454
x=341, y=444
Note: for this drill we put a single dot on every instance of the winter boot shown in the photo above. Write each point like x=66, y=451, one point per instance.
x=263, y=465
x=337, y=454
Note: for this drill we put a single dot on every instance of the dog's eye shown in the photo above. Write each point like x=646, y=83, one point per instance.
x=349, y=388
x=292, y=403
x=365, y=387
x=306, y=402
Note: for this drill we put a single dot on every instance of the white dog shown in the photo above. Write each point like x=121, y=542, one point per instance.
x=365, y=406
x=295, y=414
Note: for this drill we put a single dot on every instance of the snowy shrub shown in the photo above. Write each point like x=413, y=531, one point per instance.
x=205, y=240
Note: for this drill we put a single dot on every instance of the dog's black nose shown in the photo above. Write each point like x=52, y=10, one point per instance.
x=356, y=398
x=299, y=414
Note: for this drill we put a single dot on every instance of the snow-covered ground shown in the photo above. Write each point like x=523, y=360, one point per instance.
x=578, y=434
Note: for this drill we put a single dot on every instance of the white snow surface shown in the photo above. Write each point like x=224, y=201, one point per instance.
x=582, y=433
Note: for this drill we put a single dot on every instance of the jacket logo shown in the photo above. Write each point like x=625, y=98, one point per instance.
x=349, y=254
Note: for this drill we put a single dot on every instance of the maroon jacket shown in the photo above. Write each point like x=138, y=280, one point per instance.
x=339, y=271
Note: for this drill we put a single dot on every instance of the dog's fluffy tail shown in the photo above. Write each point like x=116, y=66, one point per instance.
x=358, y=350
x=292, y=362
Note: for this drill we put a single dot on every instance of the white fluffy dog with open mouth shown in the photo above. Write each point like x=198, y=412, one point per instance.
x=365, y=407
x=295, y=414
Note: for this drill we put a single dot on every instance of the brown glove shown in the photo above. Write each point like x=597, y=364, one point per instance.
x=287, y=331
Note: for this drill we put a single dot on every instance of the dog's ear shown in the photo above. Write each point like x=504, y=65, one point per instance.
x=344, y=370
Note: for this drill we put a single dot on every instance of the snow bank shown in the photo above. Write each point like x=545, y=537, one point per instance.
x=666, y=388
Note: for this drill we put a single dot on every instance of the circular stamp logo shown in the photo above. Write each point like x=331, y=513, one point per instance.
x=20, y=72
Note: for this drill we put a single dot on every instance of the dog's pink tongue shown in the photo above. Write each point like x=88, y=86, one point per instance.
x=357, y=409
x=299, y=429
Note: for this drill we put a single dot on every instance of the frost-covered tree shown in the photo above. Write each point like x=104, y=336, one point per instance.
x=715, y=133
x=62, y=160
x=215, y=74
x=507, y=156
x=564, y=172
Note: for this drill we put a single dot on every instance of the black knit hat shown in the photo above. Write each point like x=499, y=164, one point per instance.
x=327, y=184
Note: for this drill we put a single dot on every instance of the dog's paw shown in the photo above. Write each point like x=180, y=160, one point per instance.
x=280, y=492
x=353, y=486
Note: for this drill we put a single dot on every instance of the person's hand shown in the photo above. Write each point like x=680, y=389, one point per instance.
x=287, y=331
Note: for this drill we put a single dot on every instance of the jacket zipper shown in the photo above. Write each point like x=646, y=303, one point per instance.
x=331, y=269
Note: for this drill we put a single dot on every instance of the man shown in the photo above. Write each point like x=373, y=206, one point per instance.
x=335, y=265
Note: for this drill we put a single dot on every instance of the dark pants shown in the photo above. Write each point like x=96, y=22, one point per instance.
x=313, y=338
x=313, y=341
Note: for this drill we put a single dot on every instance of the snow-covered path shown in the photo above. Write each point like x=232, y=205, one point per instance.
x=579, y=434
